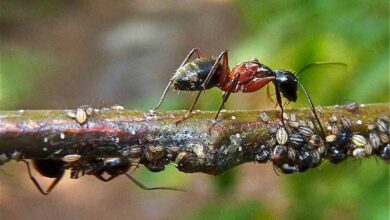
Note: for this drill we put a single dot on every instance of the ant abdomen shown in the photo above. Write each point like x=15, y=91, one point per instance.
x=192, y=75
x=49, y=167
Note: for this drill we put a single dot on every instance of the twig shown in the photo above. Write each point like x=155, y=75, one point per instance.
x=154, y=140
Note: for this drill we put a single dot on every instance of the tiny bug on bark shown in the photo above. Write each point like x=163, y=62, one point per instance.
x=80, y=114
x=281, y=136
x=247, y=77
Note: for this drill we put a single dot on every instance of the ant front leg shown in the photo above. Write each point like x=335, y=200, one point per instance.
x=279, y=101
x=199, y=54
x=222, y=57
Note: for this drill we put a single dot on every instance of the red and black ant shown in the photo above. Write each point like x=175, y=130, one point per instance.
x=55, y=168
x=207, y=72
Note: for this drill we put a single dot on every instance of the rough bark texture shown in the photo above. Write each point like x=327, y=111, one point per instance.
x=154, y=140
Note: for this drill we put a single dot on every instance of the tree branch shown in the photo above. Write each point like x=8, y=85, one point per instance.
x=154, y=140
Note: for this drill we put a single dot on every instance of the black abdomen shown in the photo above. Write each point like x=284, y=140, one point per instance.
x=192, y=75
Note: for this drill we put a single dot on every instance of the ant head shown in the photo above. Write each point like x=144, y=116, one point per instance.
x=287, y=83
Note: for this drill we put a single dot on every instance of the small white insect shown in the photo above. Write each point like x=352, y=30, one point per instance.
x=330, y=138
x=358, y=140
x=71, y=158
x=281, y=136
x=359, y=153
x=80, y=114
x=374, y=140
x=117, y=107
x=264, y=117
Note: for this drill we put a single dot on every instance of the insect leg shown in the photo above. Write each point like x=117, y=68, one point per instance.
x=35, y=181
x=227, y=94
x=224, y=56
x=199, y=55
x=313, y=109
x=139, y=184
x=279, y=101
x=53, y=184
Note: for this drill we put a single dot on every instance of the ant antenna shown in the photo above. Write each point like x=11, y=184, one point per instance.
x=312, y=108
x=318, y=64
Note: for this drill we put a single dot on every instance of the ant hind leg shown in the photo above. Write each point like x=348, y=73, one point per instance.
x=199, y=55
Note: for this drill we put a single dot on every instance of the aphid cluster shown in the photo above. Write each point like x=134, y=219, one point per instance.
x=342, y=142
x=293, y=148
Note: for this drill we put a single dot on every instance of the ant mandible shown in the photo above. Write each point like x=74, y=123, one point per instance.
x=207, y=72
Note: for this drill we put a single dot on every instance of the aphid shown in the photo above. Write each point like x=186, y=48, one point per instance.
x=293, y=117
x=262, y=154
x=368, y=149
x=80, y=114
x=135, y=152
x=358, y=140
x=382, y=126
x=285, y=116
x=281, y=136
x=336, y=155
x=316, y=158
x=330, y=138
x=71, y=158
x=315, y=141
x=310, y=124
x=291, y=154
x=359, y=153
x=117, y=107
x=288, y=169
x=333, y=119
x=264, y=117
x=335, y=129
x=353, y=107
x=297, y=140
x=374, y=140
x=385, y=152
x=371, y=127
x=346, y=123
x=293, y=124
x=279, y=153
x=305, y=160
x=154, y=153
x=306, y=131
x=50, y=168
x=206, y=72
x=384, y=138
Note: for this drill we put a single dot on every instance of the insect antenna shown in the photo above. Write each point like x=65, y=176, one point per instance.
x=310, y=65
x=312, y=108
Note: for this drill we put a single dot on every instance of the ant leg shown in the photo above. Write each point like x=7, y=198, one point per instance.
x=35, y=181
x=199, y=55
x=224, y=56
x=313, y=109
x=269, y=94
x=139, y=184
x=279, y=101
x=53, y=184
x=100, y=177
x=227, y=94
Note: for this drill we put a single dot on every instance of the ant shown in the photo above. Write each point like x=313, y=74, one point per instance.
x=207, y=72
x=55, y=168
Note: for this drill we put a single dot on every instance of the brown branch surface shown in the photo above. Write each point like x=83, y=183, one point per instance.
x=154, y=140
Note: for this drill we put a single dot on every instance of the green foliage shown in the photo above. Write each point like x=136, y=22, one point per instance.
x=19, y=70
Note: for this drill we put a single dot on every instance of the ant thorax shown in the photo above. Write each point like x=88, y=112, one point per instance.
x=192, y=75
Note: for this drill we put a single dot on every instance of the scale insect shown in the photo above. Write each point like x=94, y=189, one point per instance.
x=247, y=77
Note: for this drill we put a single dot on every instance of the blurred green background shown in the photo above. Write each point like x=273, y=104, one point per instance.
x=61, y=54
